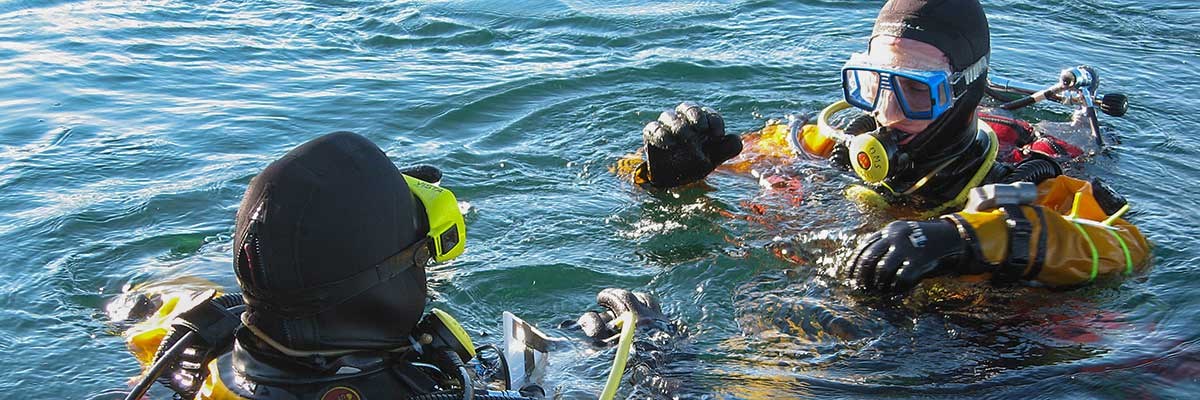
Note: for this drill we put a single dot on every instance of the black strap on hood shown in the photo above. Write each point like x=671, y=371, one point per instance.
x=298, y=303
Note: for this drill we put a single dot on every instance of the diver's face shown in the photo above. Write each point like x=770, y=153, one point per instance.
x=908, y=54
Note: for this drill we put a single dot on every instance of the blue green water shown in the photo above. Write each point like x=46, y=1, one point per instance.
x=130, y=129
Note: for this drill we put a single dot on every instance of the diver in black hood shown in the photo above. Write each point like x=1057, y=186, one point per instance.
x=922, y=143
x=330, y=250
x=927, y=118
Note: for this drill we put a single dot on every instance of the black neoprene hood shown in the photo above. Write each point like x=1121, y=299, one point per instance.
x=958, y=28
x=328, y=209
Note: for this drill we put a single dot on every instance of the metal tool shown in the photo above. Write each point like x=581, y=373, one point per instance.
x=1077, y=86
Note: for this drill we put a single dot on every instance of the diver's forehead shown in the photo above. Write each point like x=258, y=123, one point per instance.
x=907, y=53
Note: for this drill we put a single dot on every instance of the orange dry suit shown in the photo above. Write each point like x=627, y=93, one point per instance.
x=1063, y=238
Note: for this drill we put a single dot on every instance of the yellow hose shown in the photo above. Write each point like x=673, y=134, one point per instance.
x=627, y=322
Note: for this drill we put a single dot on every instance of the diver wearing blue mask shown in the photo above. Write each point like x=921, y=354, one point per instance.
x=920, y=83
x=920, y=143
x=895, y=158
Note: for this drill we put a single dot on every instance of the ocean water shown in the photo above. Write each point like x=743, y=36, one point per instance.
x=130, y=129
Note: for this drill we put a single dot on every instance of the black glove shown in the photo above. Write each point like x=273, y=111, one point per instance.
x=650, y=344
x=598, y=325
x=685, y=144
x=903, y=253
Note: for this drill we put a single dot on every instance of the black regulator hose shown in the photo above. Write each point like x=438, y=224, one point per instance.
x=449, y=360
x=503, y=363
x=1034, y=171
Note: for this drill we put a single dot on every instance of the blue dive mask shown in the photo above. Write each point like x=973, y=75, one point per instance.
x=922, y=95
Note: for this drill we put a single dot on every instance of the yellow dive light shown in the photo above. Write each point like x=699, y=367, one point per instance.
x=447, y=230
x=445, y=331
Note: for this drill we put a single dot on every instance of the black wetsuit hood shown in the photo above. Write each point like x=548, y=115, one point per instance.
x=330, y=208
x=959, y=29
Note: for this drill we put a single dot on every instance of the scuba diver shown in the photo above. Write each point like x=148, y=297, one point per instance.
x=330, y=250
x=921, y=143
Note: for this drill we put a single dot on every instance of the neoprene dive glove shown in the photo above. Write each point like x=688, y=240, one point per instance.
x=598, y=325
x=897, y=257
x=686, y=144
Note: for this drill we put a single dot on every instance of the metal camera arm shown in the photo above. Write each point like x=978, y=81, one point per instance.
x=1076, y=86
x=1114, y=104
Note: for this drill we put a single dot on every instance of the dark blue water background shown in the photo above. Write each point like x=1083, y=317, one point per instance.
x=130, y=129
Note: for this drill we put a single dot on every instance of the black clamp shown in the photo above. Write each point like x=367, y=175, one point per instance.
x=990, y=197
x=1009, y=198
x=1019, y=233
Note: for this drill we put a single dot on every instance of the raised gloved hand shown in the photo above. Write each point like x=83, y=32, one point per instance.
x=903, y=253
x=686, y=144
x=599, y=325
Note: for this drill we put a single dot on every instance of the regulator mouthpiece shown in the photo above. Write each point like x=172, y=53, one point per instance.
x=875, y=155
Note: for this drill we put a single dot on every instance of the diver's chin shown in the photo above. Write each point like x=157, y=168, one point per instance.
x=906, y=129
x=904, y=135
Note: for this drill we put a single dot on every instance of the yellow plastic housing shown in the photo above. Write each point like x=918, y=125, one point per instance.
x=869, y=158
x=447, y=229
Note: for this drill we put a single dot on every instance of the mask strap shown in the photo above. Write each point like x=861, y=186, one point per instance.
x=969, y=75
x=313, y=300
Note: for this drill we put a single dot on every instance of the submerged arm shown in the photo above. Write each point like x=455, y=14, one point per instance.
x=1063, y=238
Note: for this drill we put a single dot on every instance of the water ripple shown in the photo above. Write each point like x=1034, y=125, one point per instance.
x=129, y=130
